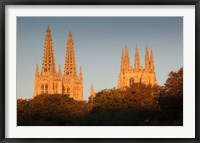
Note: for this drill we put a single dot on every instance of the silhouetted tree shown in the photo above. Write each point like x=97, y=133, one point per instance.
x=171, y=99
x=132, y=106
x=53, y=110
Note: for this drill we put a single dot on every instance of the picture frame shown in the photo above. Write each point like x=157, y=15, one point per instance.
x=3, y=88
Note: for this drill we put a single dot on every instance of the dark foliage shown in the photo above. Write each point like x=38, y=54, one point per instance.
x=171, y=99
x=139, y=105
x=50, y=110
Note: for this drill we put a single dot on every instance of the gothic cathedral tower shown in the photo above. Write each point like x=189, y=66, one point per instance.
x=137, y=74
x=72, y=83
x=51, y=82
x=48, y=81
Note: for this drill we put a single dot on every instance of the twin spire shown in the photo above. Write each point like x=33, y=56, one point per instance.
x=70, y=62
x=146, y=59
x=49, y=81
x=49, y=66
x=137, y=59
x=149, y=61
x=125, y=60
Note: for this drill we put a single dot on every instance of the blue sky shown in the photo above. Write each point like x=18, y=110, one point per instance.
x=98, y=43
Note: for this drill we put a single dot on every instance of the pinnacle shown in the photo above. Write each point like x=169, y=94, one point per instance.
x=59, y=68
x=36, y=67
x=92, y=89
x=151, y=54
x=92, y=94
x=137, y=59
x=70, y=33
x=48, y=29
x=122, y=60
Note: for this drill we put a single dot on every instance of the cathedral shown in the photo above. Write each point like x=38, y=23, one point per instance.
x=129, y=75
x=49, y=81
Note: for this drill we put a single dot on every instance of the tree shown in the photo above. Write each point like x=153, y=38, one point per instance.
x=51, y=110
x=171, y=99
x=174, y=84
x=133, y=106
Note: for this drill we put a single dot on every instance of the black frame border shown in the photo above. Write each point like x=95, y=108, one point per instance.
x=3, y=4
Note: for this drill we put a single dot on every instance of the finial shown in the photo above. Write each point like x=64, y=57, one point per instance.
x=48, y=28
x=146, y=45
x=151, y=54
x=37, y=70
x=70, y=33
x=92, y=89
x=59, y=68
x=80, y=69
x=37, y=67
x=122, y=49
x=147, y=50
x=136, y=49
x=126, y=50
x=92, y=94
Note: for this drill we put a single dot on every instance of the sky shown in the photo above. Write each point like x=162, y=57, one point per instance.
x=98, y=43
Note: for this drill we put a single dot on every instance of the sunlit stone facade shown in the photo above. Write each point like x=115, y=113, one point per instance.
x=49, y=81
x=129, y=75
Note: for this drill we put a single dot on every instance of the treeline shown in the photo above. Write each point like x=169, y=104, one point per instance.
x=139, y=105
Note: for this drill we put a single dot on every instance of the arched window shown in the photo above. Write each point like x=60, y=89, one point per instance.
x=68, y=90
x=55, y=88
x=131, y=81
x=42, y=89
x=63, y=89
x=46, y=89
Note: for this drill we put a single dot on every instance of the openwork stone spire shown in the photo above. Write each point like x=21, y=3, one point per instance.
x=48, y=65
x=70, y=63
x=72, y=83
x=151, y=63
x=48, y=82
x=122, y=60
x=127, y=60
x=36, y=71
x=60, y=70
x=146, y=59
x=137, y=60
